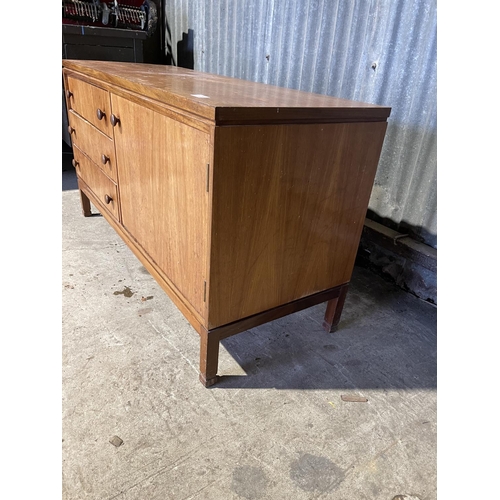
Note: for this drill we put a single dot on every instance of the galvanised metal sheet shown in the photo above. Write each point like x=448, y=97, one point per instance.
x=377, y=51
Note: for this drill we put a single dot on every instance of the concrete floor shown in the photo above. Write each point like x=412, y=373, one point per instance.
x=275, y=427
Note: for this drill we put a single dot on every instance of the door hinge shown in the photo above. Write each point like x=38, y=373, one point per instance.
x=204, y=291
x=208, y=176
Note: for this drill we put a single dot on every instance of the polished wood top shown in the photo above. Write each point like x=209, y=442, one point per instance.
x=226, y=100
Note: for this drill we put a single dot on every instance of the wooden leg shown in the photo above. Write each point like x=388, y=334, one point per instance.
x=334, y=310
x=209, y=357
x=85, y=204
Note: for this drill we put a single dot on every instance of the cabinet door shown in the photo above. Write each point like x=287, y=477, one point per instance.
x=162, y=169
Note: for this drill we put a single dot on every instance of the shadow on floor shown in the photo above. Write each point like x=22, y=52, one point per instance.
x=387, y=339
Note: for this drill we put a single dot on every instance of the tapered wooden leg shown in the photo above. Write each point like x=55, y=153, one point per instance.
x=85, y=204
x=334, y=310
x=209, y=357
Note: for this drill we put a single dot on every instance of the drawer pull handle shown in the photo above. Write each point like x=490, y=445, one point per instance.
x=100, y=114
x=114, y=120
x=69, y=94
x=70, y=129
x=107, y=199
x=75, y=163
x=104, y=159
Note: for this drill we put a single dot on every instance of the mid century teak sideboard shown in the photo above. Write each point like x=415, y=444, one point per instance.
x=244, y=201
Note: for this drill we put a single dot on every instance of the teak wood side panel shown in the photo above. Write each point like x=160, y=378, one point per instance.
x=164, y=200
x=289, y=203
x=94, y=144
x=86, y=99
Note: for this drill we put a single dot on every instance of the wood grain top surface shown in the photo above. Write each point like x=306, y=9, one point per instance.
x=226, y=100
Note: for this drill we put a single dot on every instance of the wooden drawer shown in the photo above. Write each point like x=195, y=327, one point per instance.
x=97, y=146
x=86, y=100
x=104, y=189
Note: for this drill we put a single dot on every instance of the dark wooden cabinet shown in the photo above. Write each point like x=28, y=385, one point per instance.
x=110, y=44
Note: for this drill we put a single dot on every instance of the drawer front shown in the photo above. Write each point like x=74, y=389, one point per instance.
x=97, y=146
x=104, y=189
x=90, y=102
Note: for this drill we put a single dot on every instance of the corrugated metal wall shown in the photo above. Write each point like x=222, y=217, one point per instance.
x=377, y=51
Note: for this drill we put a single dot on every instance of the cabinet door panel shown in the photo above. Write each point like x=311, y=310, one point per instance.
x=162, y=167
